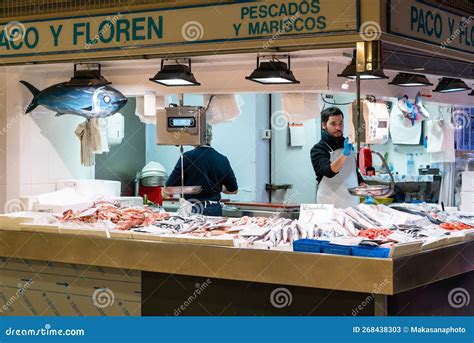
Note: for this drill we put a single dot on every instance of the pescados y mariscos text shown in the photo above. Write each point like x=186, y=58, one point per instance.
x=292, y=17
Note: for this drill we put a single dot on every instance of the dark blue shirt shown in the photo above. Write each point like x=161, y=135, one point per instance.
x=204, y=166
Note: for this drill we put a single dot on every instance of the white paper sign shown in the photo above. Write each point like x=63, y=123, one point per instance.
x=297, y=135
x=316, y=213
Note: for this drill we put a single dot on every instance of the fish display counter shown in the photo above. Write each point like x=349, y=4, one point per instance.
x=249, y=265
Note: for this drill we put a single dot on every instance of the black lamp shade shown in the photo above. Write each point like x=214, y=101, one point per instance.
x=272, y=72
x=410, y=80
x=175, y=75
x=87, y=78
x=449, y=85
x=350, y=72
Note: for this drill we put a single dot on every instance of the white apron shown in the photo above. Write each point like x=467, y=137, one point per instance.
x=335, y=190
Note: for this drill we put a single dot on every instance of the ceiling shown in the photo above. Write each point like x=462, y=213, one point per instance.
x=304, y=58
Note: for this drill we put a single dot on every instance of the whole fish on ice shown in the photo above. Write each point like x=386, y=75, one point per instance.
x=85, y=101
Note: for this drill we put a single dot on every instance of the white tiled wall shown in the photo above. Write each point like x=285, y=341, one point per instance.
x=40, y=148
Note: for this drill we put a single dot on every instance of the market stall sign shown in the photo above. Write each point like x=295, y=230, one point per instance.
x=266, y=21
x=429, y=24
x=316, y=213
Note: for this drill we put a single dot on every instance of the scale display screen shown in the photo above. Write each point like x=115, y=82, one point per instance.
x=180, y=122
x=188, y=121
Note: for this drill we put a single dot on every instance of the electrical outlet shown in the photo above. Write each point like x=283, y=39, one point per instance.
x=266, y=134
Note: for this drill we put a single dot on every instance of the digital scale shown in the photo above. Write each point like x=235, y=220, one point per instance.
x=182, y=125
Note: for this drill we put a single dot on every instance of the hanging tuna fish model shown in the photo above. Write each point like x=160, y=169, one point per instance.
x=88, y=98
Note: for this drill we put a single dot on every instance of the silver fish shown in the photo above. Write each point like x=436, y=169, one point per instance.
x=285, y=234
x=294, y=232
x=86, y=101
x=279, y=236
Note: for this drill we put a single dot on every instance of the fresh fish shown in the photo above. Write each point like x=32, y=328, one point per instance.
x=273, y=237
x=302, y=231
x=85, y=101
x=370, y=212
x=349, y=225
x=279, y=236
x=285, y=234
x=294, y=232
x=289, y=231
x=308, y=229
x=345, y=221
x=339, y=229
x=414, y=212
x=318, y=232
x=266, y=237
x=358, y=218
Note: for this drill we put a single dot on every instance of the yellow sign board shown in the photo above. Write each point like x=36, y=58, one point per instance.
x=429, y=24
x=128, y=33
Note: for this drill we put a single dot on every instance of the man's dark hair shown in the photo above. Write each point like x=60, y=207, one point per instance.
x=330, y=112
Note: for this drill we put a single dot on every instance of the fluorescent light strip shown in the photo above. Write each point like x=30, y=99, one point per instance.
x=175, y=82
x=272, y=80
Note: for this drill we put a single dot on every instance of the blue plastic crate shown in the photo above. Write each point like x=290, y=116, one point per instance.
x=308, y=245
x=371, y=252
x=336, y=249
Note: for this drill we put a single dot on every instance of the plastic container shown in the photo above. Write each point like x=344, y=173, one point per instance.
x=308, y=245
x=336, y=249
x=371, y=252
x=383, y=201
x=365, y=159
x=153, y=169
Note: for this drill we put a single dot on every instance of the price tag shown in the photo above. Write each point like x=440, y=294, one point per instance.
x=316, y=213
